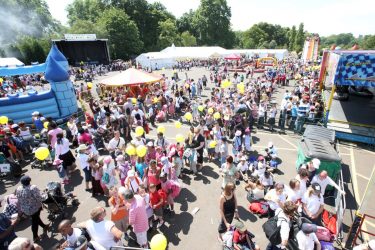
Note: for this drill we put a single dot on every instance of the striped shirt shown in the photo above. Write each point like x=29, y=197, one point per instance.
x=138, y=215
x=303, y=109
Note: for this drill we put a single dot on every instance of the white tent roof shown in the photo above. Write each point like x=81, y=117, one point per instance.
x=193, y=52
x=10, y=62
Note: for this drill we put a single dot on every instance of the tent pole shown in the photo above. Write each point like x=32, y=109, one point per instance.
x=329, y=103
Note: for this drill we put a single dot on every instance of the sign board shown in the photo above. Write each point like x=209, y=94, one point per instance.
x=80, y=37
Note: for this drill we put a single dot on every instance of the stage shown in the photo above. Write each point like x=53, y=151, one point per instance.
x=352, y=119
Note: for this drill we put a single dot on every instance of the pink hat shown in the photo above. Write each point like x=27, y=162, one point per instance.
x=247, y=130
x=107, y=160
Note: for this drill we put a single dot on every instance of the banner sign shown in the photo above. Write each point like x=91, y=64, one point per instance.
x=80, y=37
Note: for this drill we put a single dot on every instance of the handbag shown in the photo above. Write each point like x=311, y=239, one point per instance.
x=105, y=178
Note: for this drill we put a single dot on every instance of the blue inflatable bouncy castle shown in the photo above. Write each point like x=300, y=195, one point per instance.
x=59, y=103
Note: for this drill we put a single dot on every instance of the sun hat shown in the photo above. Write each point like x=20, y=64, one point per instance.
x=316, y=163
x=239, y=225
x=107, y=159
x=82, y=147
x=243, y=158
x=316, y=187
x=238, y=133
x=35, y=113
x=120, y=158
x=150, y=144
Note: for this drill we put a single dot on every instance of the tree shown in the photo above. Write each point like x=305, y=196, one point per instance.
x=213, y=23
x=31, y=50
x=122, y=33
x=186, y=23
x=292, y=37
x=88, y=27
x=300, y=39
x=168, y=34
x=84, y=10
x=368, y=42
x=254, y=37
x=188, y=39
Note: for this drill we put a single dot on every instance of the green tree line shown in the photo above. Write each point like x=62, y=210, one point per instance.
x=136, y=26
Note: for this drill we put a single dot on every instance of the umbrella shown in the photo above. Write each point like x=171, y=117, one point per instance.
x=232, y=57
x=131, y=77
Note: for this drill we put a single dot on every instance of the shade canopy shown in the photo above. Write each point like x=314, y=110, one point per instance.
x=232, y=57
x=131, y=77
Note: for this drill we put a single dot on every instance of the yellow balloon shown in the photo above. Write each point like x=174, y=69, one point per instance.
x=134, y=101
x=141, y=150
x=158, y=242
x=180, y=138
x=226, y=84
x=210, y=111
x=139, y=131
x=200, y=108
x=217, y=115
x=130, y=150
x=188, y=116
x=178, y=124
x=161, y=129
x=89, y=85
x=155, y=100
x=3, y=120
x=1, y=80
x=45, y=125
x=212, y=144
x=42, y=153
x=163, y=68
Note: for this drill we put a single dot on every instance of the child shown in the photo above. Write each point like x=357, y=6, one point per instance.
x=242, y=239
x=61, y=171
x=156, y=203
x=83, y=158
x=123, y=168
x=171, y=188
x=142, y=192
x=209, y=148
x=96, y=177
x=140, y=167
x=243, y=166
x=223, y=150
x=237, y=143
x=166, y=166
x=247, y=140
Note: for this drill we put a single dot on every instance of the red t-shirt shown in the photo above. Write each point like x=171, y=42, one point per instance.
x=155, y=198
x=239, y=238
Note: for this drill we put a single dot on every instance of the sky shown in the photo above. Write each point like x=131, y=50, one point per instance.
x=325, y=17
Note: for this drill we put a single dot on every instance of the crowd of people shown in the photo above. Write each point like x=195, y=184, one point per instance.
x=140, y=177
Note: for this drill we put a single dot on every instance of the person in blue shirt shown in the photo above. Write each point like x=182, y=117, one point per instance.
x=38, y=120
x=302, y=111
x=294, y=115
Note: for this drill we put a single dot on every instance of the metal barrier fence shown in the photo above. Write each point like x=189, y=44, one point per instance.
x=340, y=206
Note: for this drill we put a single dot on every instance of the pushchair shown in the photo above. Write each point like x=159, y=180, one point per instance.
x=56, y=201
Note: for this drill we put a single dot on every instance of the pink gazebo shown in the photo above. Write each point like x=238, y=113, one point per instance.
x=233, y=57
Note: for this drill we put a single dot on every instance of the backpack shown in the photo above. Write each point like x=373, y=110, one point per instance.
x=329, y=221
x=272, y=231
x=105, y=178
x=324, y=234
x=259, y=207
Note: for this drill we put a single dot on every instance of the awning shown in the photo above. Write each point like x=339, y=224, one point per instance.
x=356, y=69
x=232, y=57
x=131, y=77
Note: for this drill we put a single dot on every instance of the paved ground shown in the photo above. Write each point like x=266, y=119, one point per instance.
x=199, y=231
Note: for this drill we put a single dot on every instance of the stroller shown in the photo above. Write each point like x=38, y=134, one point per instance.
x=56, y=201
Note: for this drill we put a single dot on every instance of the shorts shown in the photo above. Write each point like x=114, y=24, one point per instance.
x=87, y=174
x=141, y=238
x=158, y=212
x=122, y=224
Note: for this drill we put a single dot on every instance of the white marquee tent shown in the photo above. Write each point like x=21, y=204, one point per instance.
x=10, y=62
x=171, y=55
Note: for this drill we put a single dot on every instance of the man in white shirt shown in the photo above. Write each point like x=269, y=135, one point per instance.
x=324, y=180
x=101, y=231
x=307, y=239
x=69, y=234
x=137, y=115
x=117, y=143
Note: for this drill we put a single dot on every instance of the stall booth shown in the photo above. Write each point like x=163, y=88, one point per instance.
x=131, y=83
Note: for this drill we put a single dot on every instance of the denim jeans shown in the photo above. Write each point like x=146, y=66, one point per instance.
x=299, y=123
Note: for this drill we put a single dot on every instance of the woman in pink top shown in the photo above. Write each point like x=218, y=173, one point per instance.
x=52, y=134
x=137, y=216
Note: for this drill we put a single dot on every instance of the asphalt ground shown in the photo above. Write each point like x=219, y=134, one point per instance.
x=186, y=230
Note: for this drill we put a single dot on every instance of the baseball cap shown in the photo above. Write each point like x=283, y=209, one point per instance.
x=316, y=187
